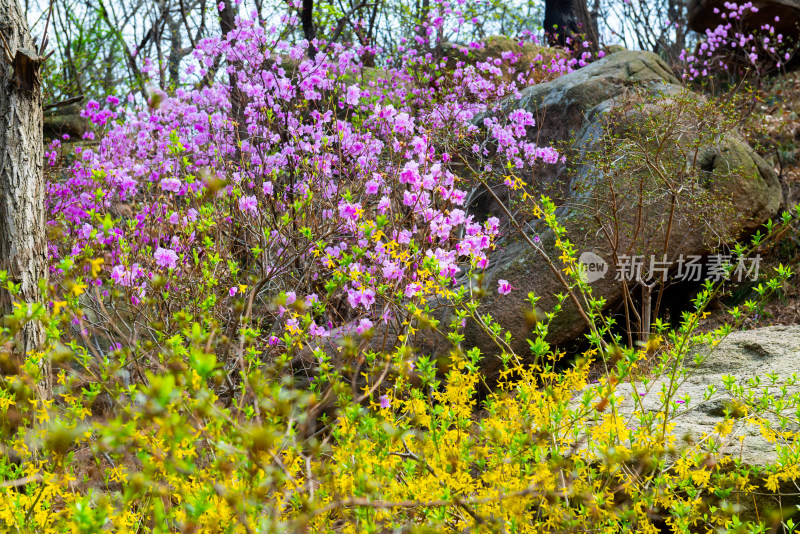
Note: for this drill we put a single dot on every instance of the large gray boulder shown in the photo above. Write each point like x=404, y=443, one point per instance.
x=573, y=110
x=562, y=106
x=529, y=57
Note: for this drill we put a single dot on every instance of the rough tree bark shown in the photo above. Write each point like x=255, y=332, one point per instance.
x=227, y=22
x=566, y=18
x=238, y=99
x=309, y=31
x=22, y=214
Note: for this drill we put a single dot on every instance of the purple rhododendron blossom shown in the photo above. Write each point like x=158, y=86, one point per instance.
x=363, y=326
x=171, y=184
x=249, y=204
x=503, y=287
x=372, y=204
x=364, y=297
x=123, y=276
x=166, y=257
x=412, y=289
x=318, y=331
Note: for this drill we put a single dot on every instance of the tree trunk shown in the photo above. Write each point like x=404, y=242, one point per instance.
x=240, y=245
x=23, y=253
x=309, y=31
x=565, y=19
x=227, y=22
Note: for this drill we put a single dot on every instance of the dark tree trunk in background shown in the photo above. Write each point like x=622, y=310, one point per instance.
x=309, y=31
x=666, y=46
x=227, y=18
x=227, y=22
x=567, y=19
x=23, y=253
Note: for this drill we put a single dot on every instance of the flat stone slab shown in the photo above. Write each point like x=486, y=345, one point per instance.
x=748, y=356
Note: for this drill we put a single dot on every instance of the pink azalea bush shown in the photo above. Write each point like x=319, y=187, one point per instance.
x=729, y=48
x=319, y=179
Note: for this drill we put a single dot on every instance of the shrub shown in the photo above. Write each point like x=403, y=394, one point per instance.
x=215, y=238
x=729, y=53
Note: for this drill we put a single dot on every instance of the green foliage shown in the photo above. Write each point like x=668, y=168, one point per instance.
x=192, y=445
x=89, y=55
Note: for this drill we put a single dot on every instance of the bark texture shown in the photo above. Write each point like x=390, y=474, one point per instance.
x=568, y=18
x=22, y=226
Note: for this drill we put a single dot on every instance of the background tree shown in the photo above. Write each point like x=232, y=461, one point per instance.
x=23, y=252
x=100, y=45
x=564, y=19
x=661, y=26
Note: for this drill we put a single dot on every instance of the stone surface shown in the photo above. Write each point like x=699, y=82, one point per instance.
x=65, y=120
x=572, y=109
x=746, y=355
x=562, y=105
x=530, y=56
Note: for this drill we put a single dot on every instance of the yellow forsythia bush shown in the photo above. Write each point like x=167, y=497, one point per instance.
x=174, y=440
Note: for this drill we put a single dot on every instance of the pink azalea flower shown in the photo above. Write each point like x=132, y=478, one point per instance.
x=317, y=331
x=412, y=289
x=349, y=211
x=86, y=230
x=249, y=204
x=171, y=184
x=353, y=95
x=125, y=277
x=165, y=257
x=364, y=297
x=371, y=187
x=363, y=326
x=503, y=287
